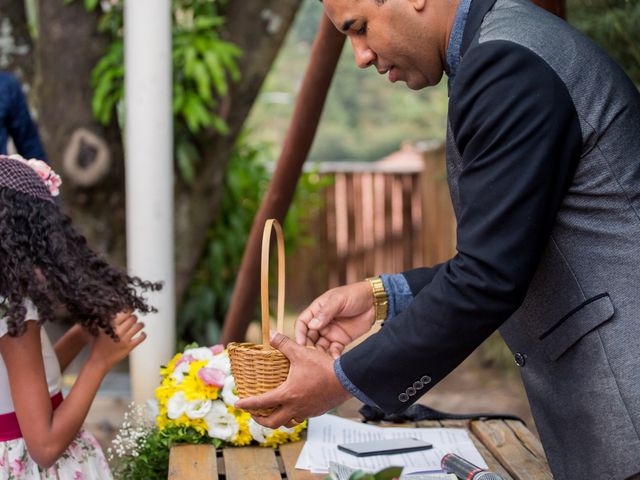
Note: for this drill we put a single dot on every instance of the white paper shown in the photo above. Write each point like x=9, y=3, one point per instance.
x=327, y=431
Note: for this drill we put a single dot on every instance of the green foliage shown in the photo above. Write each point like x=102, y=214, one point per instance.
x=246, y=180
x=203, y=64
x=365, y=116
x=151, y=461
x=615, y=26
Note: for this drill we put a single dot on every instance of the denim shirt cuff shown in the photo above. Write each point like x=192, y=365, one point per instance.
x=350, y=387
x=398, y=291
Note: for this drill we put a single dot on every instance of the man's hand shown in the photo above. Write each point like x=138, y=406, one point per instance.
x=336, y=318
x=310, y=390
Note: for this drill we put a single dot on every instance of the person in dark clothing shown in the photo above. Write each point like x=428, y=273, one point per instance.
x=16, y=122
x=543, y=166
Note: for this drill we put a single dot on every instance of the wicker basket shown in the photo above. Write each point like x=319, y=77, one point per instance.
x=260, y=368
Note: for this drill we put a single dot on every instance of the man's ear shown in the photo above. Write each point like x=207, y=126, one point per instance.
x=418, y=5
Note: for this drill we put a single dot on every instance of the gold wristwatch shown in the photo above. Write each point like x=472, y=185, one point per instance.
x=380, y=298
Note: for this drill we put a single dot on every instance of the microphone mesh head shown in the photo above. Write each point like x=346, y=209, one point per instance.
x=487, y=476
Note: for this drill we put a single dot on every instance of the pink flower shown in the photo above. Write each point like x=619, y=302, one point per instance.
x=212, y=376
x=50, y=178
x=216, y=349
x=17, y=468
x=78, y=476
x=184, y=359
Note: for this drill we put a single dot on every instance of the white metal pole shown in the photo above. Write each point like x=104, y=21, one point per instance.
x=149, y=179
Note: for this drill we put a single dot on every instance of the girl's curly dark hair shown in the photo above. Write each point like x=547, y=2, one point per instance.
x=43, y=258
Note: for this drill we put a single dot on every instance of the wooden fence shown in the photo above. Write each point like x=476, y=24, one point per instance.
x=379, y=217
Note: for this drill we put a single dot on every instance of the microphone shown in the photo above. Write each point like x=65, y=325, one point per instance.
x=465, y=470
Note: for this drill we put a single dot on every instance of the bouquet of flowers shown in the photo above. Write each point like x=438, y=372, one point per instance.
x=193, y=404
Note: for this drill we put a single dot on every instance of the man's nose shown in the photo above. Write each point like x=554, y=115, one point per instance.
x=365, y=57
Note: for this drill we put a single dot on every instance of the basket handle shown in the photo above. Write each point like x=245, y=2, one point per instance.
x=271, y=224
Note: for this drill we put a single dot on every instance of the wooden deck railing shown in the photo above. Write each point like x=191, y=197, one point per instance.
x=379, y=217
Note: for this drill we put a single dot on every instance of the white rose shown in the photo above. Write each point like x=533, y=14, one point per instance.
x=220, y=423
x=177, y=405
x=228, y=396
x=179, y=372
x=198, y=408
x=286, y=430
x=258, y=432
x=202, y=353
x=221, y=362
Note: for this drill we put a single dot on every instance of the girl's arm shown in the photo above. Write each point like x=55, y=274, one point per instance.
x=48, y=433
x=69, y=345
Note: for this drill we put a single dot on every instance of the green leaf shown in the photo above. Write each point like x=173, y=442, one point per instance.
x=91, y=5
x=388, y=473
x=360, y=475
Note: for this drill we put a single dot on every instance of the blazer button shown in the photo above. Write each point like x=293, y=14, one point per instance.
x=418, y=385
x=520, y=358
x=426, y=379
x=411, y=391
x=403, y=397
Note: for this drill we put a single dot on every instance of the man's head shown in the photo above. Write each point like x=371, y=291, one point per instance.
x=405, y=39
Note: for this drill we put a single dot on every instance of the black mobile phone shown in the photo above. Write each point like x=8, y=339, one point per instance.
x=388, y=446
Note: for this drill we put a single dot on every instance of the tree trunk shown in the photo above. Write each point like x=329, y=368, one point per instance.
x=89, y=155
x=16, y=48
x=258, y=27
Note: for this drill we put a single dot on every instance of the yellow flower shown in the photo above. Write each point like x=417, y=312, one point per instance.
x=189, y=383
x=168, y=370
x=193, y=387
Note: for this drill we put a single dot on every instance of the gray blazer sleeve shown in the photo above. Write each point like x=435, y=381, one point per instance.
x=517, y=131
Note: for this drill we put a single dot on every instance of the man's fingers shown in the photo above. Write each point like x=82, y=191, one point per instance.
x=335, y=349
x=300, y=332
x=285, y=345
x=277, y=419
x=313, y=336
x=269, y=399
x=330, y=306
x=323, y=343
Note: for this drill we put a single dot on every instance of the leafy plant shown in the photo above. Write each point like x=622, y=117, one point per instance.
x=391, y=473
x=203, y=64
x=615, y=26
x=246, y=180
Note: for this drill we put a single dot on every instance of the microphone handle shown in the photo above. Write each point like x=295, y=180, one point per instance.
x=465, y=470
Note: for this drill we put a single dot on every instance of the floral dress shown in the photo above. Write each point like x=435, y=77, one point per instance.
x=82, y=460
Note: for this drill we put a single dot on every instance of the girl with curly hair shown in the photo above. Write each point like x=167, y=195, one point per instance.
x=45, y=266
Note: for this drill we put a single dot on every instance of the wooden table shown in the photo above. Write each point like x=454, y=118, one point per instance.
x=507, y=446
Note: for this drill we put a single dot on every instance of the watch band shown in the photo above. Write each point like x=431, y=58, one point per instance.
x=380, y=298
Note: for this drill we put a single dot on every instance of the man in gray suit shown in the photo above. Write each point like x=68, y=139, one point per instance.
x=543, y=161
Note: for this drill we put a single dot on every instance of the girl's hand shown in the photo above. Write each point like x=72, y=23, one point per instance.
x=70, y=344
x=106, y=352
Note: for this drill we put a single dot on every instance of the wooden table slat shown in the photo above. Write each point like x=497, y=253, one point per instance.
x=251, y=463
x=289, y=454
x=516, y=458
x=193, y=462
x=526, y=437
x=492, y=462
